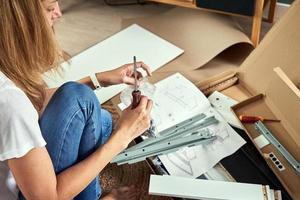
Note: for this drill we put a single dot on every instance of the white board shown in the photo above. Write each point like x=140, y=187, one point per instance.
x=113, y=52
x=204, y=189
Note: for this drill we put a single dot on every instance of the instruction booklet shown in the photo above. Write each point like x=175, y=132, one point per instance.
x=177, y=99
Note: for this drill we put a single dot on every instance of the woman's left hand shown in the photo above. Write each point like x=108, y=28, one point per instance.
x=123, y=74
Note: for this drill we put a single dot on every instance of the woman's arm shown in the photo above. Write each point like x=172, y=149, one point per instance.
x=35, y=175
x=123, y=74
x=36, y=179
x=86, y=80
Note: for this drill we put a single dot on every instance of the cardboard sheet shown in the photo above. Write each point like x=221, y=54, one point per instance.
x=113, y=52
x=203, y=35
x=223, y=62
x=279, y=48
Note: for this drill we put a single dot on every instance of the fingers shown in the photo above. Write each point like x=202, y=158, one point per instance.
x=144, y=67
x=143, y=102
x=139, y=75
x=128, y=80
x=149, y=106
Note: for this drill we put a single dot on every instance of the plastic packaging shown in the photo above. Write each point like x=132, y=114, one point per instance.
x=147, y=89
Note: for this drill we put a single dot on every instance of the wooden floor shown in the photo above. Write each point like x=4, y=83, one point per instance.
x=87, y=22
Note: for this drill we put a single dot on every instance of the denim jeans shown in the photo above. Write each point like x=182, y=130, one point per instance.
x=74, y=126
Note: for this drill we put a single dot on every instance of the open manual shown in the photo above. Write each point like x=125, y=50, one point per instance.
x=176, y=100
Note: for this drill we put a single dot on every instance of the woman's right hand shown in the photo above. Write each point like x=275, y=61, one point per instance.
x=133, y=122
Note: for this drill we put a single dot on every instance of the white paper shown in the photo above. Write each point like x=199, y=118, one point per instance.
x=261, y=141
x=217, y=173
x=113, y=52
x=205, y=156
x=223, y=104
x=177, y=99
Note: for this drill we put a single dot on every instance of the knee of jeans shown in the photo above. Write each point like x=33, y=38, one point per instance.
x=76, y=90
x=73, y=88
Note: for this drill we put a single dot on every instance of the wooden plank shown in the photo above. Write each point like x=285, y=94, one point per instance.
x=204, y=189
x=256, y=24
x=271, y=13
x=182, y=3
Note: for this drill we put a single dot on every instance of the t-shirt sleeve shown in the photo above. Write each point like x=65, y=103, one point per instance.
x=19, y=128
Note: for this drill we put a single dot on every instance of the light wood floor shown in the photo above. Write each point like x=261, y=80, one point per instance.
x=86, y=22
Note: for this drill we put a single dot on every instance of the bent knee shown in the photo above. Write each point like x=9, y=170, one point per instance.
x=77, y=91
x=74, y=89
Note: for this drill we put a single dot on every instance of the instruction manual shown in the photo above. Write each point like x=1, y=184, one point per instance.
x=176, y=99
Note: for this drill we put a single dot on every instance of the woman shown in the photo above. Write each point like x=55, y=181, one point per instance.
x=55, y=142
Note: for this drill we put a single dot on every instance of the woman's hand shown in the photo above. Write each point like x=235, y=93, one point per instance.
x=133, y=122
x=123, y=74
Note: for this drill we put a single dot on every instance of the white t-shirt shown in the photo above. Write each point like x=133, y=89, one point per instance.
x=19, y=132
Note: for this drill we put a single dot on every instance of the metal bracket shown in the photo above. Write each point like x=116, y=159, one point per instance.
x=181, y=129
x=161, y=148
x=193, y=129
x=185, y=134
x=183, y=124
x=268, y=134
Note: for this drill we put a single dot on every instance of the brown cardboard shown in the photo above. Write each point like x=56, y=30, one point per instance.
x=260, y=74
x=202, y=35
x=279, y=48
x=283, y=97
x=280, y=100
x=258, y=105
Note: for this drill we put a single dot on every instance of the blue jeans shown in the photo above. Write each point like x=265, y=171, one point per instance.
x=74, y=126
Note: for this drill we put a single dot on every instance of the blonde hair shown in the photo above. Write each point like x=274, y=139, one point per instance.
x=27, y=46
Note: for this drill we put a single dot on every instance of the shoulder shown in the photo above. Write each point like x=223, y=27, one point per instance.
x=19, y=128
x=14, y=102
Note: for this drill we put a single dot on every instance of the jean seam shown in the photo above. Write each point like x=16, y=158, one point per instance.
x=64, y=137
x=94, y=129
x=107, y=123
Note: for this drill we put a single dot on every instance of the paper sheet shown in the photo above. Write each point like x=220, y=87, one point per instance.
x=222, y=104
x=113, y=52
x=194, y=161
x=177, y=99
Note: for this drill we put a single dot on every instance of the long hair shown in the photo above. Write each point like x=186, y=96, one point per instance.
x=28, y=47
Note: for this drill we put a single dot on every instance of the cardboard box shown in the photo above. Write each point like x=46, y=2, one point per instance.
x=268, y=85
